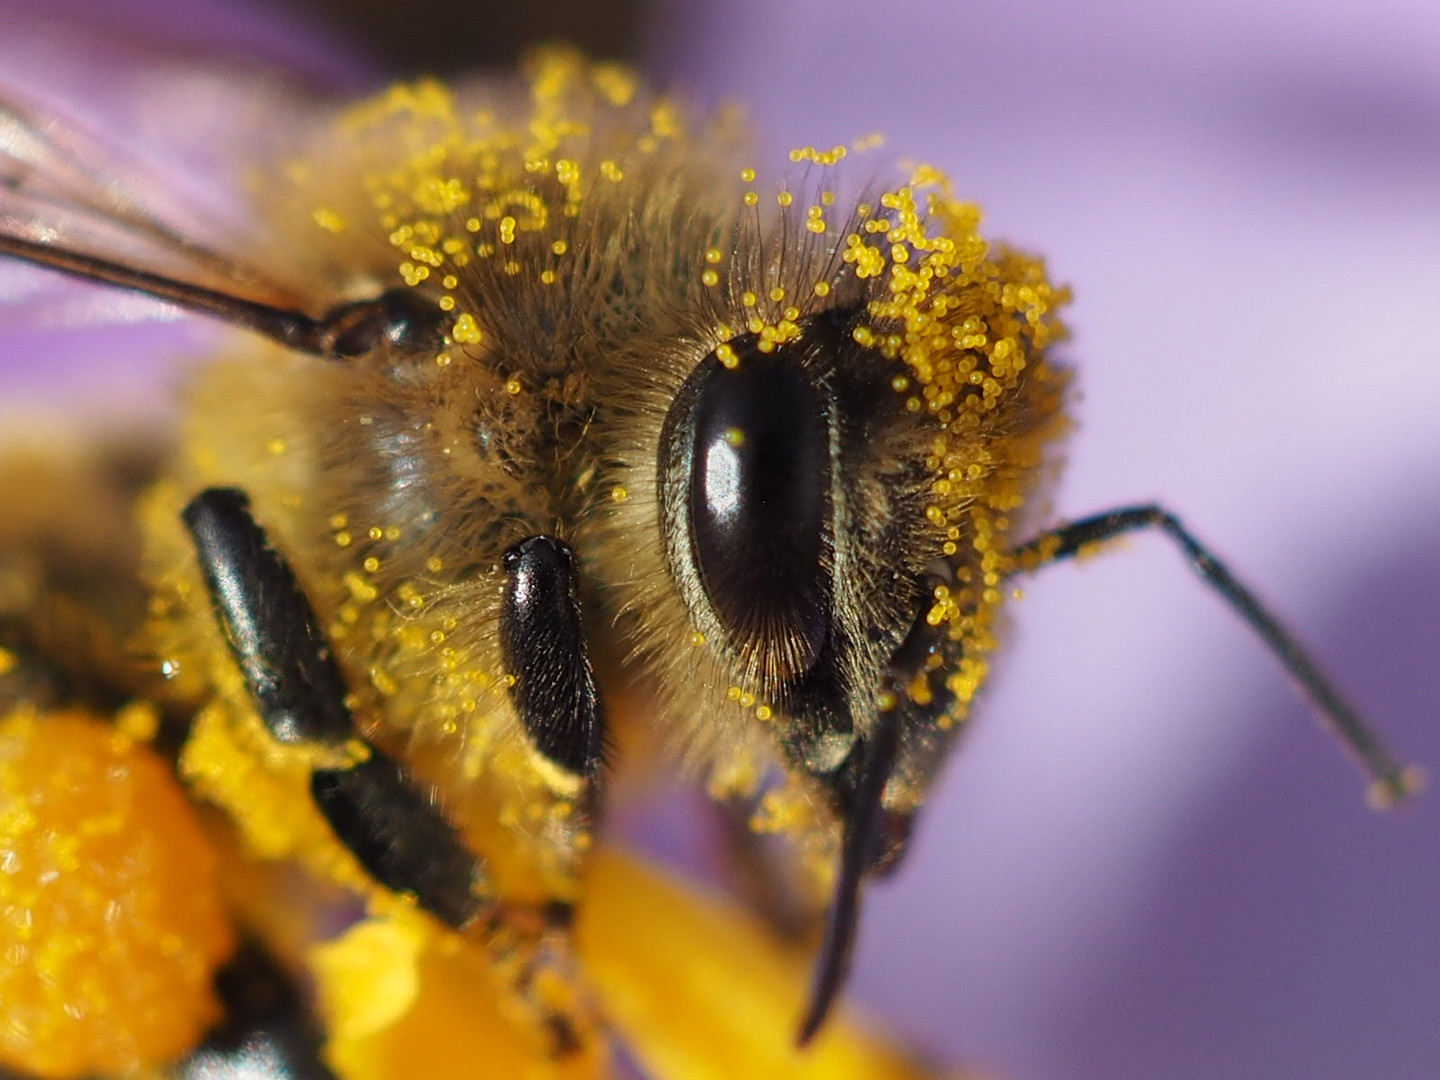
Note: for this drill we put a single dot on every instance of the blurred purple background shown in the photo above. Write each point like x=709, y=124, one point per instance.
x=1147, y=862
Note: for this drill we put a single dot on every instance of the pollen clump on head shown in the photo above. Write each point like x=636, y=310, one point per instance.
x=111, y=921
x=971, y=324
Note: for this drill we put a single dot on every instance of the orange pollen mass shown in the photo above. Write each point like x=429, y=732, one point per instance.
x=111, y=921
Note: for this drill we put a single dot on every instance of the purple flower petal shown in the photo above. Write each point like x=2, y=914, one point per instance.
x=158, y=79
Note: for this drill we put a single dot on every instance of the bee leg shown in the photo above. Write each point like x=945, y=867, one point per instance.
x=1390, y=780
x=266, y=1032
x=401, y=839
x=543, y=643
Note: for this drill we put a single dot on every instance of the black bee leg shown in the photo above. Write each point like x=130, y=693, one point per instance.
x=543, y=643
x=401, y=839
x=1390, y=781
x=267, y=1032
x=268, y=623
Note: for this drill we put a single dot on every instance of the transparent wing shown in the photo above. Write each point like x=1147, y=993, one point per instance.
x=70, y=203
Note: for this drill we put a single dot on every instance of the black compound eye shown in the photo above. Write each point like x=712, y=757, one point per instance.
x=758, y=502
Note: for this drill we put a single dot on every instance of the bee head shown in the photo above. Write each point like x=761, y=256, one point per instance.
x=836, y=503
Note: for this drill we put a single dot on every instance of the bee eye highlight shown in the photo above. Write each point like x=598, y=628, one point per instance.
x=756, y=436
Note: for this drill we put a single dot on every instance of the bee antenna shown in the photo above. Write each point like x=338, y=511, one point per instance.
x=1389, y=780
x=863, y=829
x=292, y=328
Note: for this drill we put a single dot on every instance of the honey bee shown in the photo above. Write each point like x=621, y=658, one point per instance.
x=556, y=435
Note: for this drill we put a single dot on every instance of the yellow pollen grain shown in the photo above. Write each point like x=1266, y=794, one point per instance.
x=616, y=83
x=665, y=120
x=818, y=156
x=329, y=220
x=466, y=331
x=710, y=277
x=618, y=494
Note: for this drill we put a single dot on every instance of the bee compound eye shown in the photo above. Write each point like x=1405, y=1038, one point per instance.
x=758, y=502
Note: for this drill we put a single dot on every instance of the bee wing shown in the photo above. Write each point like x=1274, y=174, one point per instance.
x=70, y=203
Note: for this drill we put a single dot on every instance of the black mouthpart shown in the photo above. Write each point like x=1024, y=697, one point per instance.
x=865, y=831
